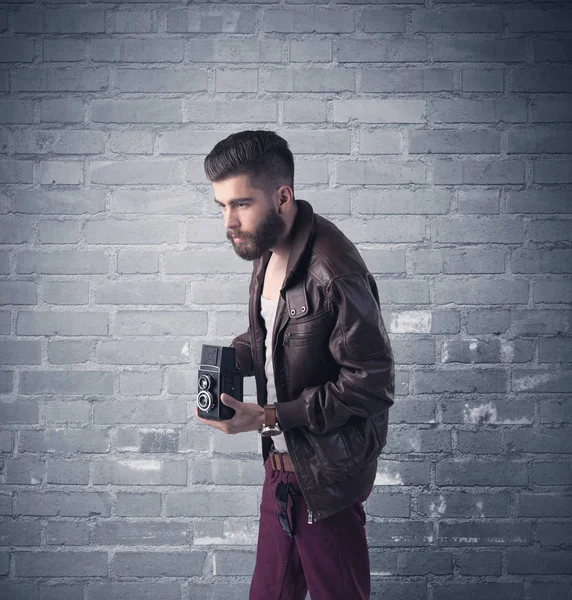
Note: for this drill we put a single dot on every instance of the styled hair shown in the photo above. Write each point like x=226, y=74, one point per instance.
x=262, y=154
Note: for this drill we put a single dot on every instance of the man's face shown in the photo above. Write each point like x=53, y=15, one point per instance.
x=251, y=218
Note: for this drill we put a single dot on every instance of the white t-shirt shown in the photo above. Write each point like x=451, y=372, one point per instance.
x=268, y=311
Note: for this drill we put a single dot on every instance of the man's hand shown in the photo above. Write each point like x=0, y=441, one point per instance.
x=248, y=416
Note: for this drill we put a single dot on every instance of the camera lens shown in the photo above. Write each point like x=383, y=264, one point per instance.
x=205, y=382
x=205, y=401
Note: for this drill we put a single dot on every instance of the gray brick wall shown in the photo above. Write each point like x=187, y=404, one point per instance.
x=436, y=134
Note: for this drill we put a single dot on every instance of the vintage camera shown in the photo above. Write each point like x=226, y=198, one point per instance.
x=217, y=374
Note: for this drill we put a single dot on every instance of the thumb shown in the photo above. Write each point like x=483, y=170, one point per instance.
x=229, y=400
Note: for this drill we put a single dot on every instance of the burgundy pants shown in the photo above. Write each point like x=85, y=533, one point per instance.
x=329, y=557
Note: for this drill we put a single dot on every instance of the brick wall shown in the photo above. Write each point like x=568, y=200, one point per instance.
x=437, y=135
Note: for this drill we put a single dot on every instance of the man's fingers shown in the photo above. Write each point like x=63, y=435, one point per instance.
x=229, y=400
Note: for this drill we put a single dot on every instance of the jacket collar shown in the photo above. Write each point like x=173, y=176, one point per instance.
x=301, y=234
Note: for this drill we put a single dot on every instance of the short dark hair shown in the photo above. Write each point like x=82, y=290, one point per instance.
x=261, y=154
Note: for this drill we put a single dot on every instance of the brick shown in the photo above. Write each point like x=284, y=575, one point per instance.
x=552, y=51
x=142, y=410
x=131, y=232
x=532, y=562
x=310, y=51
x=554, y=350
x=407, y=80
x=552, y=473
x=535, y=202
x=479, y=563
x=131, y=142
x=540, y=20
x=18, y=292
x=72, y=472
x=68, y=533
x=317, y=142
x=125, y=172
x=161, y=81
x=418, y=351
x=234, y=562
x=457, y=172
x=222, y=292
x=204, y=504
x=66, y=292
x=462, y=382
x=555, y=591
x=406, y=472
x=140, y=292
x=61, y=142
x=16, y=171
x=148, y=440
x=480, y=111
x=15, y=352
x=62, y=110
x=137, y=262
x=378, y=172
x=63, y=412
x=482, y=80
x=380, y=111
x=402, y=202
x=136, y=111
x=459, y=49
x=60, y=323
x=64, y=440
x=551, y=110
x=134, y=50
x=63, y=50
x=399, y=534
x=489, y=291
x=545, y=79
x=474, y=230
x=505, y=412
x=314, y=20
x=204, y=261
x=158, y=564
x=133, y=383
x=542, y=261
x=121, y=590
x=231, y=111
x=484, y=534
x=60, y=202
x=61, y=382
x=133, y=21
x=553, y=534
x=310, y=79
x=235, y=50
x=139, y=472
x=235, y=80
x=12, y=111
x=211, y=21
x=552, y=171
x=65, y=504
x=384, y=261
x=558, y=410
x=552, y=291
x=61, y=79
x=482, y=591
x=389, y=505
x=16, y=231
x=541, y=380
x=458, y=21
x=141, y=323
x=394, y=51
x=454, y=142
x=74, y=20
x=473, y=260
x=206, y=231
x=22, y=411
x=227, y=472
x=60, y=564
x=405, y=441
x=537, y=142
x=304, y=111
x=17, y=591
x=187, y=142
x=58, y=232
x=479, y=442
x=384, y=21
x=16, y=50
x=544, y=440
x=155, y=202
x=25, y=471
x=64, y=261
x=138, y=505
x=505, y=473
x=139, y=352
x=61, y=172
x=542, y=322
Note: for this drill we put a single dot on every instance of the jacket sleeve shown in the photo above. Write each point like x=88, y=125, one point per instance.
x=241, y=344
x=359, y=343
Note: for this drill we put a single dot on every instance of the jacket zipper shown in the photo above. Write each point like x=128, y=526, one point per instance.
x=292, y=334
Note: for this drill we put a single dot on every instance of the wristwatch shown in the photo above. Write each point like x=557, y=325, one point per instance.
x=270, y=426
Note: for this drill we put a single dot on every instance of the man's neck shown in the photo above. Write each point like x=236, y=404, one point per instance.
x=281, y=251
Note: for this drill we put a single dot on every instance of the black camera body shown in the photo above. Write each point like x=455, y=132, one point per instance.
x=218, y=374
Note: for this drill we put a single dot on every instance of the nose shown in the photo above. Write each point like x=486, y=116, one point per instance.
x=231, y=222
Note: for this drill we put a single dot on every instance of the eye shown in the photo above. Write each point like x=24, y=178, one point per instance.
x=242, y=204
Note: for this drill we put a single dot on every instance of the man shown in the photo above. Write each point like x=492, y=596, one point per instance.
x=323, y=365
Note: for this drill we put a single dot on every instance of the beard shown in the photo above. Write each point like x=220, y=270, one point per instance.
x=267, y=234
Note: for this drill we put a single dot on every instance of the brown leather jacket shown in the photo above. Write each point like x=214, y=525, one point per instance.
x=333, y=364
